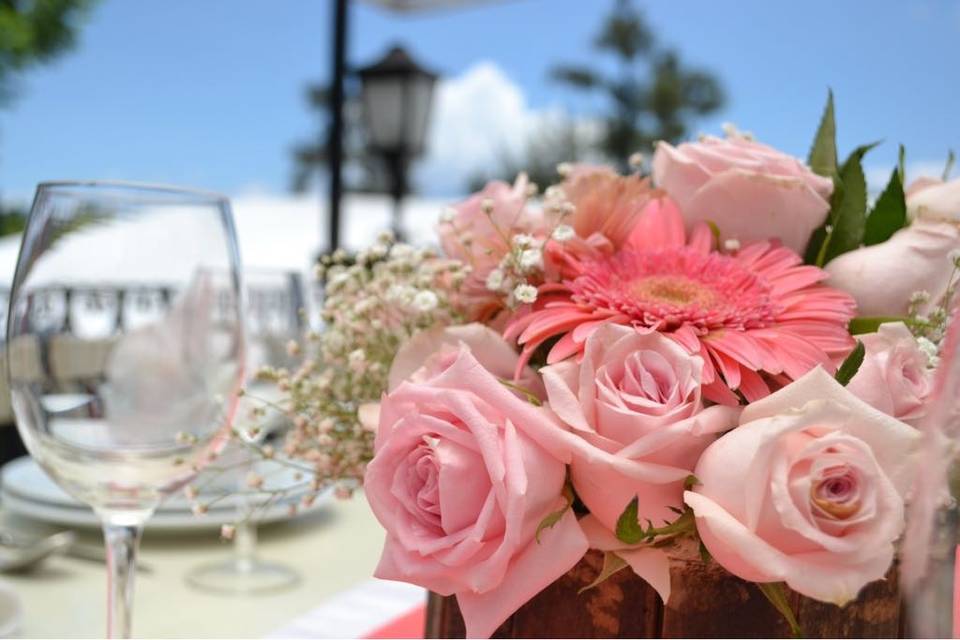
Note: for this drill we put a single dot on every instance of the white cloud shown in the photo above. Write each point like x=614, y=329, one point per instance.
x=478, y=117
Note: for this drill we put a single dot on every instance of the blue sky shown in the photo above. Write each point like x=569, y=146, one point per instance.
x=210, y=92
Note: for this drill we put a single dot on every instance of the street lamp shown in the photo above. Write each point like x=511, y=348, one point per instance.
x=396, y=94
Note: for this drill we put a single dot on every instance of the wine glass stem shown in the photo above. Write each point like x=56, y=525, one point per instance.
x=122, y=541
x=245, y=544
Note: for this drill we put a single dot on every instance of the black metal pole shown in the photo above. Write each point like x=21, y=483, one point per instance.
x=397, y=163
x=335, y=142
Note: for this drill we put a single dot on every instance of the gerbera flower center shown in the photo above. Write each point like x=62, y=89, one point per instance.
x=678, y=286
x=678, y=290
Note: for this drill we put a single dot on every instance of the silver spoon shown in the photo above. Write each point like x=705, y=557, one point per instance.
x=20, y=556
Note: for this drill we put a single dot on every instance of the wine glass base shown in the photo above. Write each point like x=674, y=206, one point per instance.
x=239, y=578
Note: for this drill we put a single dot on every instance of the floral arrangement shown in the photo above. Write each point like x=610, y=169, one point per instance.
x=734, y=349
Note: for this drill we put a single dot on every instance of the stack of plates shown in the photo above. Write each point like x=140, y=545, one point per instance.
x=27, y=490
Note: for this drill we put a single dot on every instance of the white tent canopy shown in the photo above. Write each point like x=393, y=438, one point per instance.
x=275, y=232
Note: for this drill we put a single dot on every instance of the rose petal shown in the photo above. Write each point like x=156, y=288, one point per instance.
x=531, y=570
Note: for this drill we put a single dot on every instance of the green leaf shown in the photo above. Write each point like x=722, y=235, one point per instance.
x=611, y=564
x=848, y=211
x=628, y=529
x=777, y=596
x=858, y=153
x=851, y=365
x=704, y=552
x=553, y=518
x=951, y=158
x=889, y=213
x=815, y=245
x=870, y=324
x=902, y=163
x=823, y=153
x=528, y=395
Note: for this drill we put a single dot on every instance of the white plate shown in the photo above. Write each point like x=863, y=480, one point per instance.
x=11, y=610
x=27, y=490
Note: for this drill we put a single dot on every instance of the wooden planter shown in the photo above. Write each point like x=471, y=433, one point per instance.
x=706, y=602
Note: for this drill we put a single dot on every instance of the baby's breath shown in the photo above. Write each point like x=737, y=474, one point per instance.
x=373, y=303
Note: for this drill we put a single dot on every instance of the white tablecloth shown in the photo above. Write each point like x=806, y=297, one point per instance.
x=334, y=549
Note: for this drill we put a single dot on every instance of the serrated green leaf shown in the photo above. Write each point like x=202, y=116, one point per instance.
x=848, y=215
x=836, y=201
x=628, y=528
x=630, y=531
x=815, y=244
x=889, y=213
x=951, y=158
x=611, y=564
x=870, y=324
x=858, y=153
x=823, y=153
x=776, y=594
x=851, y=364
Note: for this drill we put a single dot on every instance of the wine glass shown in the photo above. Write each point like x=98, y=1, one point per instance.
x=274, y=317
x=120, y=410
x=930, y=553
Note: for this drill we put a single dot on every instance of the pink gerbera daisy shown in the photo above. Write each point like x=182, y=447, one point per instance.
x=756, y=316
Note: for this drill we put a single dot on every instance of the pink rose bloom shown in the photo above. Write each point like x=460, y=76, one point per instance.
x=751, y=191
x=635, y=404
x=808, y=490
x=894, y=377
x=429, y=352
x=934, y=200
x=460, y=483
x=883, y=277
x=480, y=239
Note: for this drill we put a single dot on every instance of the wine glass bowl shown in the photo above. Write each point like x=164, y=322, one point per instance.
x=275, y=301
x=125, y=344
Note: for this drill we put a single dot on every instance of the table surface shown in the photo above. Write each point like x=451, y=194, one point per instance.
x=333, y=549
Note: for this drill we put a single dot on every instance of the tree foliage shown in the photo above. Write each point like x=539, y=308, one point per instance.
x=653, y=95
x=361, y=171
x=32, y=32
x=552, y=143
x=35, y=32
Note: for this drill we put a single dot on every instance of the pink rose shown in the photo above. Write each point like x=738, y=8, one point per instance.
x=430, y=352
x=751, y=191
x=894, y=377
x=460, y=483
x=883, y=277
x=475, y=236
x=807, y=490
x=934, y=200
x=481, y=239
x=635, y=404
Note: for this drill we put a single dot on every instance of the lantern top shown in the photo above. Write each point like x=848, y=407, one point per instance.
x=396, y=63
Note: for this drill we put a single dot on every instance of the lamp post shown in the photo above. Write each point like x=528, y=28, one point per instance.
x=396, y=94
